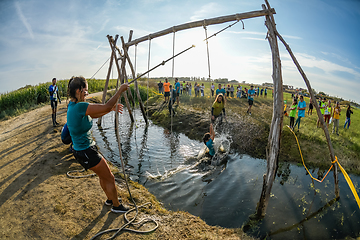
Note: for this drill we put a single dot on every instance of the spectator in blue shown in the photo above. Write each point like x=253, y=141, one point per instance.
x=265, y=92
x=258, y=91
x=301, y=111
x=251, y=94
x=177, y=90
x=161, y=90
x=220, y=90
x=54, y=96
x=261, y=92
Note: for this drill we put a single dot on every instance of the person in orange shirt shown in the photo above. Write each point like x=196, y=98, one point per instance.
x=166, y=89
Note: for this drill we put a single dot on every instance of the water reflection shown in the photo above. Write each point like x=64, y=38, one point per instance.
x=227, y=195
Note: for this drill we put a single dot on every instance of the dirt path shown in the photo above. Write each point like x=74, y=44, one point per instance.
x=38, y=200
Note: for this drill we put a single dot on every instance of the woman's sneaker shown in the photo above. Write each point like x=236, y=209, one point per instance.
x=120, y=209
x=110, y=202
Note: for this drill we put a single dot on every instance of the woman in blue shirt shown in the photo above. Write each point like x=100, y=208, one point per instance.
x=301, y=111
x=79, y=122
x=209, y=141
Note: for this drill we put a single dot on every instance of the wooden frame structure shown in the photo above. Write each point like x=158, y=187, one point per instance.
x=273, y=147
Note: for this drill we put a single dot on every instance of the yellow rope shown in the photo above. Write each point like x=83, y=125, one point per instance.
x=304, y=161
x=349, y=182
x=157, y=93
x=346, y=176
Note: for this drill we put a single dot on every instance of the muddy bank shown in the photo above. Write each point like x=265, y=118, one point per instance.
x=249, y=135
x=38, y=200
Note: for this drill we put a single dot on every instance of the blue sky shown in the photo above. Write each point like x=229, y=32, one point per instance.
x=42, y=39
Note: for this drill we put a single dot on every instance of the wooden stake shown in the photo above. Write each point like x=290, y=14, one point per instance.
x=133, y=74
x=324, y=126
x=273, y=147
x=112, y=45
x=107, y=81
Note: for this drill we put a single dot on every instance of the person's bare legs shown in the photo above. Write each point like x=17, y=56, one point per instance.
x=107, y=181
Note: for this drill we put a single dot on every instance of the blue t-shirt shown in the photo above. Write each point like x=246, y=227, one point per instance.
x=53, y=92
x=250, y=92
x=301, y=113
x=220, y=91
x=209, y=144
x=177, y=87
x=79, y=125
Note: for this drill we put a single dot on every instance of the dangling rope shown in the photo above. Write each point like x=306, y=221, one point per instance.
x=172, y=77
x=148, y=76
x=207, y=47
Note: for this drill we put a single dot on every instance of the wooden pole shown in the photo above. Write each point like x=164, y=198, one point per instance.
x=133, y=74
x=124, y=71
x=112, y=45
x=200, y=23
x=273, y=147
x=107, y=81
x=324, y=127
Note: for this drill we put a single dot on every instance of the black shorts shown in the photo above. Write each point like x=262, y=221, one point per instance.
x=53, y=104
x=167, y=94
x=177, y=94
x=89, y=157
x=251, y=102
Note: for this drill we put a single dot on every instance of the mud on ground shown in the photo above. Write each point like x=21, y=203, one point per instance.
x=38, y=200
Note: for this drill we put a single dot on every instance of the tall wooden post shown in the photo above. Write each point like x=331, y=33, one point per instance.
x=273, y=147
x=107, y=81
x=112, y=45
x=136, y=84
x=324, y=126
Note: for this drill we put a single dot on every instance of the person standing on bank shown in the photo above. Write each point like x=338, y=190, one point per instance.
x=251, y=94
x=177, y=90
x=166, y=86
x=54, y=96
x=79, y=120
x=336, y=118
x=301, y=111
x=348, y=114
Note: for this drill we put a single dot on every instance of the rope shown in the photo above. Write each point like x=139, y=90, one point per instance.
x=303, y=162
x=346, y=176
x=148, y=76
x=160, y=64
x=349, y=182
x=225, y=29
x=128, y=222
x=100, y=68
x=172, y=77
x=207, y=48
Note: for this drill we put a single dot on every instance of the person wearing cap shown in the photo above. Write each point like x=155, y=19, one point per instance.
x=54, y=97
x=336, y=118
x=251, y=94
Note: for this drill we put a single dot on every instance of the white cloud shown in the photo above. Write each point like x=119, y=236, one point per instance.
x=23, y=19
x=206, y=10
